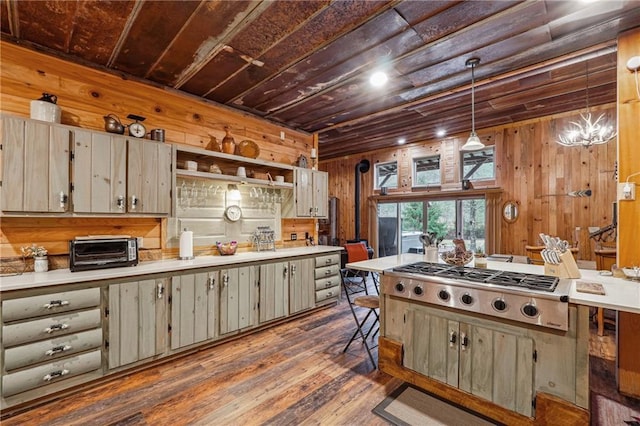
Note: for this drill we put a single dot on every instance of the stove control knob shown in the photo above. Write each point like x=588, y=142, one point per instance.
x=499, y=305
x=418, y=290
x=467, y=299
x=443, y=295
x=400, y=287
x=530, y=310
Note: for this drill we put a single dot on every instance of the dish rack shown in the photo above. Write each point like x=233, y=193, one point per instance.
x=264, y=239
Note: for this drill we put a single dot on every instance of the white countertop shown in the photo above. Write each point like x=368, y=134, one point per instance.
x=65, y=276
x=620, y=294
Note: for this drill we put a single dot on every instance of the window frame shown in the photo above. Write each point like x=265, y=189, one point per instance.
x=376, y=174
x=414, y=172
x=463, y=177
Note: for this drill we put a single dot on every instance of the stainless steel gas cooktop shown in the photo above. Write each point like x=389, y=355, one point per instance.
x=479, y=275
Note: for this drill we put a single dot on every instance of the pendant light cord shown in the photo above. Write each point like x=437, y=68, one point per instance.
x=473, y=99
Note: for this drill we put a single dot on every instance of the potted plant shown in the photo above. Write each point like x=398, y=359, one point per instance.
x=39, y=254
x=480, y=258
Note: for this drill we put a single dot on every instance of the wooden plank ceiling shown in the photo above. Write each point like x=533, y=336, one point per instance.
x=306, y=64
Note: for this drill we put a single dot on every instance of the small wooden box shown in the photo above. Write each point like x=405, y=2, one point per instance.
x=567, y=268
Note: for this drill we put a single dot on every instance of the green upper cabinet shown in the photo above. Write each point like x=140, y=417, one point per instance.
x=116, y=174
x=35, y=166
x=311, y=193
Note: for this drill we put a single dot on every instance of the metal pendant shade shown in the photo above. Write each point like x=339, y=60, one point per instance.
x=473, y=143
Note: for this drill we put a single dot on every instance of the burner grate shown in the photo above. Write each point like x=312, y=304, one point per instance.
x=489, y=276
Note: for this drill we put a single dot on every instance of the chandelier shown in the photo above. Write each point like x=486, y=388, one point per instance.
x=585, y=132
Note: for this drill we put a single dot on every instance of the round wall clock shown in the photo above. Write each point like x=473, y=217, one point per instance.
x=137, y=130
x=233, y=213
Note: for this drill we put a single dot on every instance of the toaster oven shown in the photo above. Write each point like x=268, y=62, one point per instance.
x=86, y=253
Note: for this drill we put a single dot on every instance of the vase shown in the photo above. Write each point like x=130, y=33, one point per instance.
x=228, y=143
x=40, y=264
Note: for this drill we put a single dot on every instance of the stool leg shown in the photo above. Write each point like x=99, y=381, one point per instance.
x=600, y=321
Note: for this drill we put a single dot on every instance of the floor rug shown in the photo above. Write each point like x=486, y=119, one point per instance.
x=409, y=406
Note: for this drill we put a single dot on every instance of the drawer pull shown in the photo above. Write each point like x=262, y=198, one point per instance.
x=54, y=375
x=328, y=261
x=56, y=304
x=329, y=294
x=328, y=284
x=57, y=350
x=328, y=272
x=55, y=327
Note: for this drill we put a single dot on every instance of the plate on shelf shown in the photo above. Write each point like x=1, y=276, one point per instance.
x=248, y=148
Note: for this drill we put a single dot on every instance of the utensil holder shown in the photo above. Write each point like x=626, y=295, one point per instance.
x=567, y=268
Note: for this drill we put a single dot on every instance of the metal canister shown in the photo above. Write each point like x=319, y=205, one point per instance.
x=157, y=135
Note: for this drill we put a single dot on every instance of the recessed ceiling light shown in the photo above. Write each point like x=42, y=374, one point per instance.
x=378, y=79
x=401, y=141
x=441, y=132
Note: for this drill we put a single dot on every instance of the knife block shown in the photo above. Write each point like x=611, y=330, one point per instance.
x=567, y=268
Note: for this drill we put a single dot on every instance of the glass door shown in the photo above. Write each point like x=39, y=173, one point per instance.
x=442, y=221
x=473, y=223
x=387, y=229
x=412, y=226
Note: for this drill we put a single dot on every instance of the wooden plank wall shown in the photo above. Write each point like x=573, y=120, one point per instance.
x=530, y=167
x=85, y=96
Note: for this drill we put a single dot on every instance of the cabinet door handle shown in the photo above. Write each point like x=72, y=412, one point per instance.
x=464, y=341
x=160, y=287
x=452, y=338
x=56, y=304
x=225, y=280
x=64, y=199
x=212, y=283
x=284, y=271
x=120, y=202
x=55, y=374
x=134, y=202
x=56, y=327
x=57, y=350
x=293, y=270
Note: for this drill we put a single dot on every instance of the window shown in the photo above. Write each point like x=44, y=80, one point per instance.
x=386, y=175
x=478, y=165
x=426, y=171
x=401, y=224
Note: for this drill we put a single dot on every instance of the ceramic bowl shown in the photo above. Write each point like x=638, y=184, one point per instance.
x=227, y=249
x=450, y=258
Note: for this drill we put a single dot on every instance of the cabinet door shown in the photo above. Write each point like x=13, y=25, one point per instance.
x=237, y=298
x=148, y=177
x=321, y=193
x=192, y=306
x=274, y=291
x=35, y=166
x=301, y=285
x=303, y=192
x=497, y=366
x=136, y=321
x=99, y=173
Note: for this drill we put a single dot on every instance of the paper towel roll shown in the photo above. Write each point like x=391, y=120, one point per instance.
x=186, y=245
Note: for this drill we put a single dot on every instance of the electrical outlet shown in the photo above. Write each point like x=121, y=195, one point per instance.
x=281, y=135
x=626, y=191
x=294, y=237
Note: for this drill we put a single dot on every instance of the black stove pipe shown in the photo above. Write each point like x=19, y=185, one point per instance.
x=362, y=167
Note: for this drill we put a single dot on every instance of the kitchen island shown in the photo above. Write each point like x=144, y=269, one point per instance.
x=516, y=366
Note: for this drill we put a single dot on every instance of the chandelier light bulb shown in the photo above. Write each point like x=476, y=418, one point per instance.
x=585, y=133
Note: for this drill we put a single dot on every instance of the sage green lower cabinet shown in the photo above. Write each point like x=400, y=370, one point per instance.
x=137, y=321
x=302, y=292
x=274, y=291
x=488, y=362
x=194, y=313
x=238, y=298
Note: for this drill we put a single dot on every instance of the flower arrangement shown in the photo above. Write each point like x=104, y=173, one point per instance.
x=34, y=251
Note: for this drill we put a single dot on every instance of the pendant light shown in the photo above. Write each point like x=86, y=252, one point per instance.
x=473, y=143
x=586, y=133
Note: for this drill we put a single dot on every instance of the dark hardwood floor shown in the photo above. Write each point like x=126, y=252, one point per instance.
x=294, y=373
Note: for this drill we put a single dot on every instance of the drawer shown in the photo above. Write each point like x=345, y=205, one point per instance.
x=36, y=306
x=47, y=350
x=330, y=259
x=323, y=283
x=326, y=294
x=327, y=271
x=52, y=372
x=47, y=328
